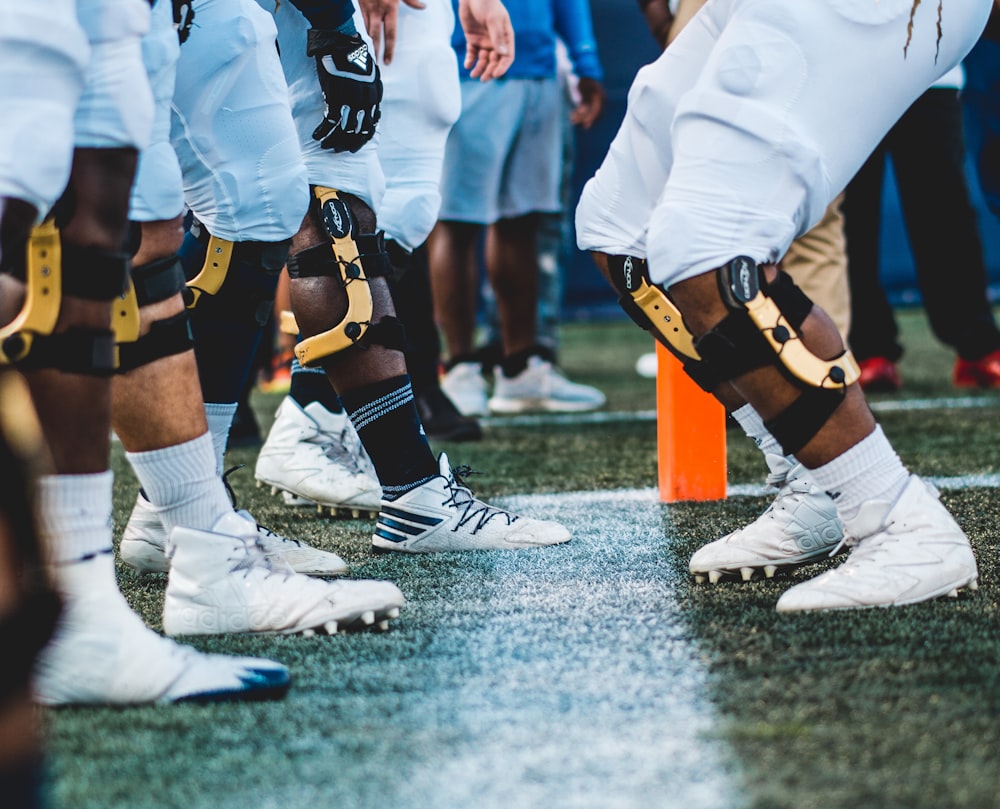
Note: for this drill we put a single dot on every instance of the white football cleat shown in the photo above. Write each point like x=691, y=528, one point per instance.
x=904, y=552
x=144, y=546
x=315, y=455
x=103, y=654
x=541, y=386
x=221, y=581
x=465, y=385
x=800, y=526
x=443, y=515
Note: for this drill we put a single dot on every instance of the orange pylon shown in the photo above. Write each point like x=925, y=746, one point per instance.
x=690, y=435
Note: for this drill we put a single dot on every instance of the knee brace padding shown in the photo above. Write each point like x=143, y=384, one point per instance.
x=351, y=258
x=152, y=282
x=239, y=277
x=51, y=270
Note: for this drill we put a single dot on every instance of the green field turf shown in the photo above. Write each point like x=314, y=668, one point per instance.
x=594, y=674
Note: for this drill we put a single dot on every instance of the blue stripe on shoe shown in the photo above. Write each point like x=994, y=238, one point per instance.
x=383, y=534
x=420, y=519
x=403, y=527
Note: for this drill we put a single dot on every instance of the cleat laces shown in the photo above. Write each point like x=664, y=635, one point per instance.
x=460, y=497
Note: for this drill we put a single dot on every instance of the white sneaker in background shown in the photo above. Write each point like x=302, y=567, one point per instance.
x=103, y=654
x=800, y=526
x=542, y=387
x=143, y=546
x=316, y=455
x=465, y=385
x=221, y=581
x=443, y=515
x=904, y=552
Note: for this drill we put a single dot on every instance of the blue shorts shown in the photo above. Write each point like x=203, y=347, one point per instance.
x=504, y=156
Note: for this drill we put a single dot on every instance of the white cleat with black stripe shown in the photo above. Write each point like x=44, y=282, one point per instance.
x=443, y=515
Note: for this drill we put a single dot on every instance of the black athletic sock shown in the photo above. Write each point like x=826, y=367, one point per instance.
x=308, y=386
x=385, y=416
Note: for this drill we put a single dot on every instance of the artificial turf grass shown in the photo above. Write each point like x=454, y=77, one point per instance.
x=883, y=708
x=856, y=708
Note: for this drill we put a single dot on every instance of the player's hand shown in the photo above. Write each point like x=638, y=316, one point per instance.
x=381, y=21
x=489, y=38
x=591, y=103
x=352, y=88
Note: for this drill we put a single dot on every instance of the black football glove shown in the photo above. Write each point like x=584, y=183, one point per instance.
x=352, y=87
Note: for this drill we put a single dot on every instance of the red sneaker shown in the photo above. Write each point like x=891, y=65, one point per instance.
x=879, y=375
x=981, y=373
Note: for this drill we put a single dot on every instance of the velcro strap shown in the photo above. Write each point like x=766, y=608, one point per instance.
x=157, y=280
x=165, y=338
x=388, y=332
x=373, y=254
x=92, y=273
x=733, y=348
x=795, y=426
x=75, y=351
x=794, y=304
x=313, y=262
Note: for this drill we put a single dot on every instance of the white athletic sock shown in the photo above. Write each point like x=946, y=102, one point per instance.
x=753, y=426
x=182, y=483
x=74, y=516
x=870, y=470
x=220, y=420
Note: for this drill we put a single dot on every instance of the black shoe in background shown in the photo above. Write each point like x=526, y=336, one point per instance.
x=441, y=418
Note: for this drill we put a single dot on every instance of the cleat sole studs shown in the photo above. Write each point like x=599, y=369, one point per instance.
x=953, y=593
x=974, y=584
x=308, y=633
x=383, y=626
x=330, y=627
x=393, y=613
x=714, y=576
x=368, y=617
x=769, y=571
x=746, y=573
x=699, y=579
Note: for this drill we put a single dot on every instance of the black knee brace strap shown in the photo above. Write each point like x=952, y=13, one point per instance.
x=352, y=258
x=54, y=269
x=165, y=338
x=762, y=329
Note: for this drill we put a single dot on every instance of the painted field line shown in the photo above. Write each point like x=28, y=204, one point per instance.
x=617, y=416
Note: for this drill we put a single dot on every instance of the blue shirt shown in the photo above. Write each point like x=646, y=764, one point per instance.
x=536, y=25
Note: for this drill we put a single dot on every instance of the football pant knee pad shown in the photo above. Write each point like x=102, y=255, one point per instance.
x=51, y=269
x=151, y=283
x=353, y=259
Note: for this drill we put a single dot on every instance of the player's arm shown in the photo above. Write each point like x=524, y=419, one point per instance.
x=489, y=38
x=659, y=18
x=347, y=73
x=574, y=25
x=381, y=19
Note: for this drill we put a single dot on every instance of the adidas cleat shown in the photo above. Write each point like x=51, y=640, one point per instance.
x=800, y=526
x=904, y=552
x=143, y=546
x=442, y=515
x=221, y=581
x=103, y=654
x=313, y=456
